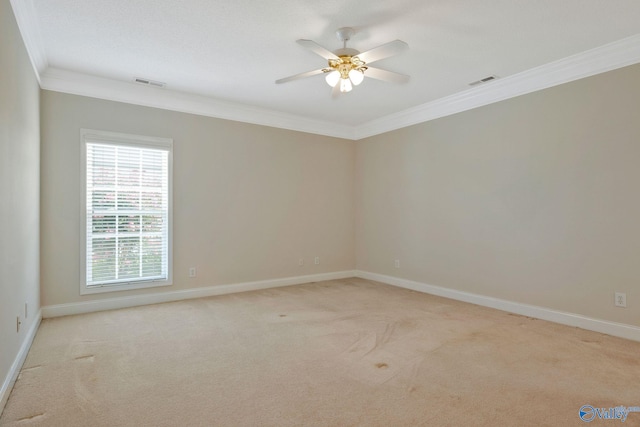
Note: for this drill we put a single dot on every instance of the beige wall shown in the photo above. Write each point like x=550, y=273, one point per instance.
x=531, y=200
x=249, y=200
x=535, y=199
x=19, y=191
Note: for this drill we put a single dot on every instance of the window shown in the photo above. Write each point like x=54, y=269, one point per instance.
x=126, y=211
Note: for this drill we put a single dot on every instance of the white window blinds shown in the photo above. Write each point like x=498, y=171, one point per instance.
x=127, y=213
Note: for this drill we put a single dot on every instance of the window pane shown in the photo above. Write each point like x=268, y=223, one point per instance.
x=104, y=224
x=128, y=258
x=128, y=200
x=152, y=256
x=103, y=259
x=129, y=224
x=152, y=223
x=151, y=201
x=103, y=200
x=102, y=166
x=128, y=166
x=152, y=171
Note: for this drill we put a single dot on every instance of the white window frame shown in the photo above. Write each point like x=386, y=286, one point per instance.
x=122, y=139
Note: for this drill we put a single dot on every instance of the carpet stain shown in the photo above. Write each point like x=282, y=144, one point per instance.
x=382, y=365
x=31, y=417
x=521, y=315
x=89, y=357
x=283, y=315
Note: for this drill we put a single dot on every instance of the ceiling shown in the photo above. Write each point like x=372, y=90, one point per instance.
x=221, y=58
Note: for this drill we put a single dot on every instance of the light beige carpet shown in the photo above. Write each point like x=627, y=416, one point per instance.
x=338, y=353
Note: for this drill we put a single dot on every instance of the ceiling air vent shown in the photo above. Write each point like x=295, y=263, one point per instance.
x=148, y=82
x=485, y=80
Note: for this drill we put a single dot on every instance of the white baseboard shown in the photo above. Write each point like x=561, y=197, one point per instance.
x=570, y=319
x=12, y=375
x=160, y=297
x=604, y=326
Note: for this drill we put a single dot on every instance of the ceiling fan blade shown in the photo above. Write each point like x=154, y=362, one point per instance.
x=386, y=50
x=300, y=76
x=387, y=76
x=317, y=49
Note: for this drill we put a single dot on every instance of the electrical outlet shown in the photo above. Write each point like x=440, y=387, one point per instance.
x=192, y=272
x=301, y=261
x=18, y=323
x=397, y=263
x=26, y=310
x=317, y=260
x=620, y=299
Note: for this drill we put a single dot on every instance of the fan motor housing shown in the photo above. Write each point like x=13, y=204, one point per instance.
x=346, y=51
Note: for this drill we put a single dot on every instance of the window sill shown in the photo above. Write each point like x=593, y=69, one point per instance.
x=99, y=289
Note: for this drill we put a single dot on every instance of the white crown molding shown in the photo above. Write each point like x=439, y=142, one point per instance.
x=59, y=80
x=161, y=297
x=605, y=58
x=16, y=366
x=570, y=319
x=25, y=14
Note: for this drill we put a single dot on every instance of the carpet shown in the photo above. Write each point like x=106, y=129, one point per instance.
x=338, y=353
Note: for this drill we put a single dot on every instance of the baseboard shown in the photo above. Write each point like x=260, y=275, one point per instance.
x=12, y=375
x=570, y=319
x=160, y=297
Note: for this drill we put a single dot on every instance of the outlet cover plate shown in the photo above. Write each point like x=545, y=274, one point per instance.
x=620, y=299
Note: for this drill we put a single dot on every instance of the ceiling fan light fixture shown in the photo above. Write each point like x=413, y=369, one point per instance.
x=345, y=85
x=356, y=76
x=332, y=78
x=346, y=66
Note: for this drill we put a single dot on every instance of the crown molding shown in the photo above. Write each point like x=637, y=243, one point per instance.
x=605, y=58
x=25, y=14
x=59, y=80
x=594, y=61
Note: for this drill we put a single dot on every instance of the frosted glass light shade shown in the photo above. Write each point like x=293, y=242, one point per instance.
x=332, y=78
x=345, y=85
x=356, y=77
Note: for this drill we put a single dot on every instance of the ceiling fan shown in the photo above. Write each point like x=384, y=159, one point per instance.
x=347, y=67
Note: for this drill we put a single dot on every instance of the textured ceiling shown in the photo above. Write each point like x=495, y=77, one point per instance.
x=234, y=50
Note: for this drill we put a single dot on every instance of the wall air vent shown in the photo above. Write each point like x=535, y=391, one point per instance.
x=148, y=82
x=485, y=80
